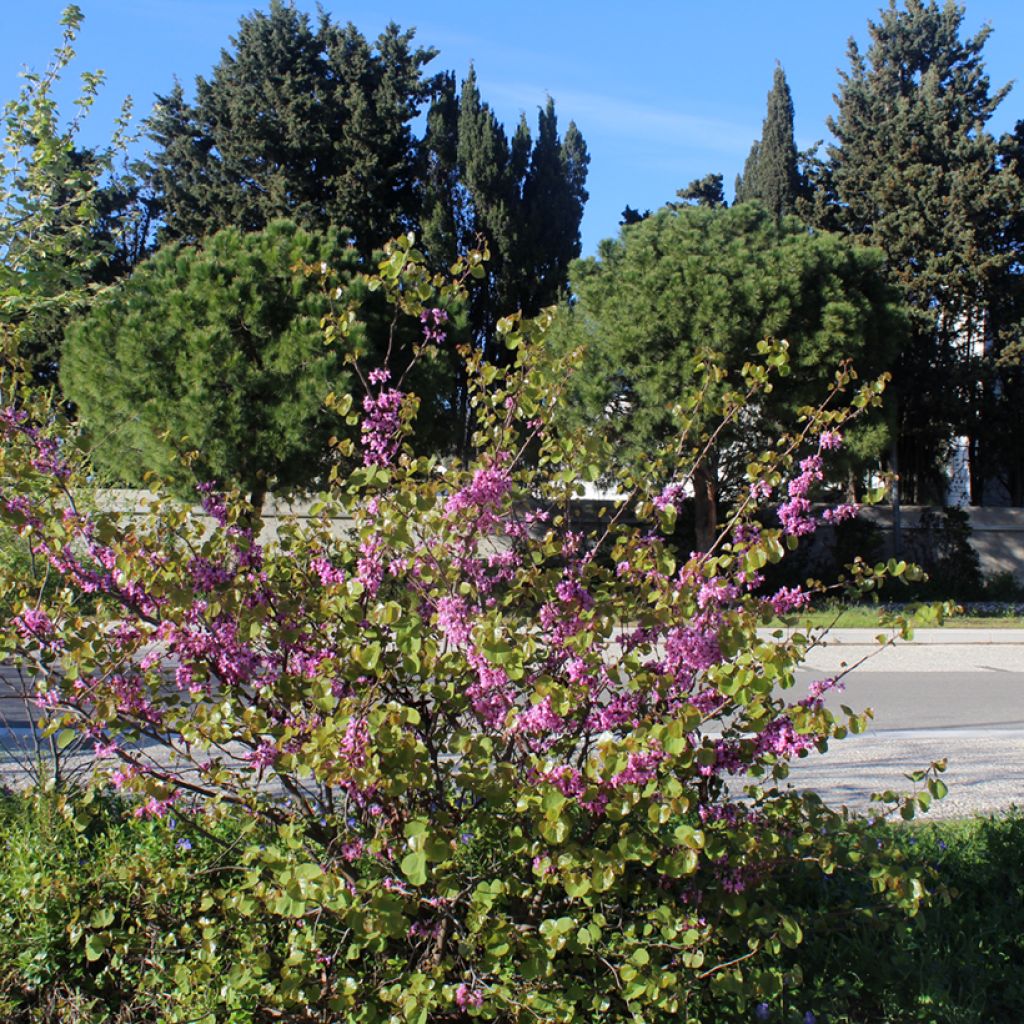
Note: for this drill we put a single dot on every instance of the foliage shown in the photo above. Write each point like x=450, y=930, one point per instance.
x=959, y=959
x=109, y=917
x=706, y=191
x=915, y=172
x=303, y=121
x=220, y=350
x=511, y=771
x=520, y=197
x=942, y=547
x=771, y=175
x=654, y=306
x=54, y=195
x=311, y=122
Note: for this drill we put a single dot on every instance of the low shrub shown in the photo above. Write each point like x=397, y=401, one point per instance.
x=169, y=896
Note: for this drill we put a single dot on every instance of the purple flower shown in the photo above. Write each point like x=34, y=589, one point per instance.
x=381, y=427
x=433, y=321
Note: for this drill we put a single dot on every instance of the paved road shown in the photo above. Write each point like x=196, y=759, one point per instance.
x=957, y=694
x=951, y=693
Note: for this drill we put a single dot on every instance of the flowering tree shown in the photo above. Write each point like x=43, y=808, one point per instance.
x=513, y=772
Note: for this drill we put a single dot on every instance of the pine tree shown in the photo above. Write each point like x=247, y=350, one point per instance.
x=655, y=301
x=771, y=173
x=219, y=348
x=915, y=172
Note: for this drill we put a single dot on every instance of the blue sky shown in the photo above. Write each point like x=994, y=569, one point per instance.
x=663, y=91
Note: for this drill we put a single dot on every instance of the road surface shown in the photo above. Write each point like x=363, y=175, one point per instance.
x=951, y=693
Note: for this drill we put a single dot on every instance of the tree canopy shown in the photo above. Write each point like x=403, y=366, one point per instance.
x=693, y=283
x=218, y=349
x=300, y=120
x=309, y=121
x=915, y=172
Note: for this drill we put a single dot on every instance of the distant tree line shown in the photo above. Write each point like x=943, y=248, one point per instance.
x=349, y=141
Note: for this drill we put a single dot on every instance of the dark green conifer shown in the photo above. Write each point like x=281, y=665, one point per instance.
x=771, y=174
x=915, y=172
x=297, y=120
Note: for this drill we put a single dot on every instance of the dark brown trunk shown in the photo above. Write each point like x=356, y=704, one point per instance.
x=705, y=505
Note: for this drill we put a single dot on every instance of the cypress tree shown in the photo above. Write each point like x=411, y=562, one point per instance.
x=523, y=196
x=771, y=174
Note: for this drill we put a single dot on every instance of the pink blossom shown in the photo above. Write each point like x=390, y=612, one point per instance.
x=670, y=496
x=817, y=690
x=539, y=719
x=483, y=496
x=264, y=756
x=788, y=599
x=329, y=575
x=33, y=622
x=466, y=997
x=830, y=440
x=453, y=620
x=780, y=739
x=355, y=742
x=353, y=850
x=491, y=694
x=840, y=514
x=381, y=427
x=369, y=567
x=795, y=516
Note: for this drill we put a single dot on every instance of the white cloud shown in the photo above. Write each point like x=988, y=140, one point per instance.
x=636, y=121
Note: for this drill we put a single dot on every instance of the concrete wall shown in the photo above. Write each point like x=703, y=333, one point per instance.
x=997, y=534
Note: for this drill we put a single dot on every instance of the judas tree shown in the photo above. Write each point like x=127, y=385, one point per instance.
x=494, y=768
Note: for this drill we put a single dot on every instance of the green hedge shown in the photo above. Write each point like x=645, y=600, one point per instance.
x=104, y=917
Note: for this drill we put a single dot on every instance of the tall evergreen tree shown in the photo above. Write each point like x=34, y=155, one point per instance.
x=915, y=172
x=298, y=120
x=522, y=196
x=771, y=173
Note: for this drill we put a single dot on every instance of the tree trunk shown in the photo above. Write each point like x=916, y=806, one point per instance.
x=705, y=503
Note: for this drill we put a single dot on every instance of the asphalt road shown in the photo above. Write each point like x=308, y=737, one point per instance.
x=954, y=694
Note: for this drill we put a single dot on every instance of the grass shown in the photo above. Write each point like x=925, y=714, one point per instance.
x=877, y=617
